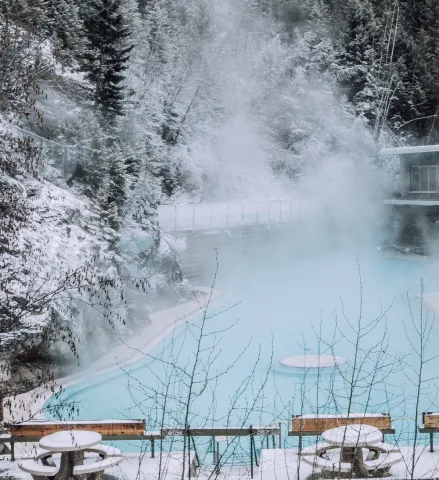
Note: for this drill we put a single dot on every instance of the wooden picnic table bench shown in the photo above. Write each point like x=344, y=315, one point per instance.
x=430, y=425
x=34, y=431
x=315, y=425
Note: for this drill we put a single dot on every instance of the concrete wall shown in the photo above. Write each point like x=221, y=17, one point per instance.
x=416, y=227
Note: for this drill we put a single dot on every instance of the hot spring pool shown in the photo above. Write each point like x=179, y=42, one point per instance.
x=278, y=309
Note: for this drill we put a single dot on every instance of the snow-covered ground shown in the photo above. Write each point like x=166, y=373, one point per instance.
x=276, y=464
x=285, y=464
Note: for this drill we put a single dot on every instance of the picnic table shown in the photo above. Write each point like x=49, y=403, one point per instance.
x=353, y=441
x=73, y=446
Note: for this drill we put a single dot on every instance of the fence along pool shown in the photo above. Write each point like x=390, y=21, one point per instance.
x=205, y=216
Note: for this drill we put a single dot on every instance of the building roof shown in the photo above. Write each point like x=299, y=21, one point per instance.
x=422, y=203
x=408, y=150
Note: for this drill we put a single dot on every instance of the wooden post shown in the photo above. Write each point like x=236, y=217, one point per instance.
x=152, y=448
x=431, y=442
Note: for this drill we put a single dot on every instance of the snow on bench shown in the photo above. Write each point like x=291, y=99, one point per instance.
x=105, y=451
x=385, y=447
x=36, y=468
x=343, y=415
x=316, y=449
x=97, y=466
x=107, y=428
x=327, y=465
x=383, y=462
x=317, y=424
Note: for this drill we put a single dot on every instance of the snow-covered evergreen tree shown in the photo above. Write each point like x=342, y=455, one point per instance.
x=106, y=54
x=67, y=29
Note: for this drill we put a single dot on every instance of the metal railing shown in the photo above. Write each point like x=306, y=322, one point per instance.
x=59, y=161
x=210, y=216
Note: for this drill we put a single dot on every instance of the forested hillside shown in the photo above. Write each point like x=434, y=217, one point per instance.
x=134, y=103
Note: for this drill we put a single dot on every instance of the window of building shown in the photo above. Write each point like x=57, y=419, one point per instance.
x=424, y=178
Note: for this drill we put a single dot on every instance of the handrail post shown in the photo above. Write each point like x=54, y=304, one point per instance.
x=213, y=449
x=217, y=460
x=188, y=452
x=251, y=451
x=210, y=214
x=65, y=163
x=256, y=456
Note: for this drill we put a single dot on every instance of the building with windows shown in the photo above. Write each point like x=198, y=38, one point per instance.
x=419, y=174
x=415, y=206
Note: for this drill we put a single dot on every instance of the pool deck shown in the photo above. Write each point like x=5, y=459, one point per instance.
x=275, y=464
x=29, y=406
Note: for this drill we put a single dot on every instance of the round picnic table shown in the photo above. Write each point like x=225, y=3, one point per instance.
x=71, y=444
x=70, y=441
x=352, y=439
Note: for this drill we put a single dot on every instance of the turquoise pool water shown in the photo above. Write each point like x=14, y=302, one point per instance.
x=276, y=309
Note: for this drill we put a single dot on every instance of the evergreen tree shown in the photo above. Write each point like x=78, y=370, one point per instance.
x=67, y=24
x=421, y=48
x=106, y=54
x=65, y=27
x=28, y=13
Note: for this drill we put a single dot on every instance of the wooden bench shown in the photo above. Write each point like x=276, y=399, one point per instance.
x=314, y=425
x=33, y=431
x=430, y=425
